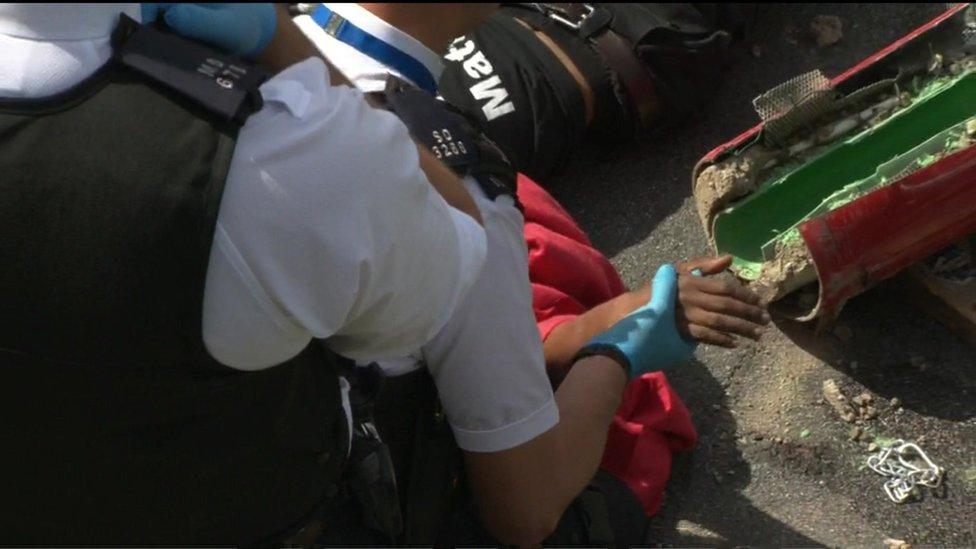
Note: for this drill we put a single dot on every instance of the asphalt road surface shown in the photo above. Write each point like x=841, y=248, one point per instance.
x=775, y=466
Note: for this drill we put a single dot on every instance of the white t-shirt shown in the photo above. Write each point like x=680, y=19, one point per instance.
x=487, y=362
x=327, y=227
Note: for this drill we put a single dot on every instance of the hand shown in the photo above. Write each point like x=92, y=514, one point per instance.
x=242, y=29
x=648, y=337
x=713, y=310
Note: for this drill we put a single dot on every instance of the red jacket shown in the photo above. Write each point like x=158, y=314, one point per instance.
x=569, y=277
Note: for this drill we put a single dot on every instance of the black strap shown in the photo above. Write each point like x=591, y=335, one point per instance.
x=451, y=137
x=224, y=85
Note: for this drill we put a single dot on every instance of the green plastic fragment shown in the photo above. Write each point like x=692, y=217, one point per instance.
x=912, y=138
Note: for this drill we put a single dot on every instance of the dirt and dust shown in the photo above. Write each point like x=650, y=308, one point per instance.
x=754, y=479
x=722, y=183
x=791, y=269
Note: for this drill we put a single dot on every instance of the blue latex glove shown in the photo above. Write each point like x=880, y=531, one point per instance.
x=244, y=30
x=648, y=337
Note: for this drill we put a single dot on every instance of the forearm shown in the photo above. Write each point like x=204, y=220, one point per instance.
x=522, y=492
x=569, y=337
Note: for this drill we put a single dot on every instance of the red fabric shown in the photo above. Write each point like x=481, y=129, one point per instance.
x=569, y=277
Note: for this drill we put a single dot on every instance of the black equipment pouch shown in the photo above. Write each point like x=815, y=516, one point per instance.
x=222, y=84
x=451, y=137
x=371, y=475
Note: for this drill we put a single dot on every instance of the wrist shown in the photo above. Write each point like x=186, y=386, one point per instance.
x=606, y=350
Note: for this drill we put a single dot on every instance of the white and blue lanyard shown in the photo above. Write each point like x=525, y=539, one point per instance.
x=343, y=30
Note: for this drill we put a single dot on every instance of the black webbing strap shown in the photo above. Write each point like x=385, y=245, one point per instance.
x=591, y=23
x=224, y=85
x=451, y=137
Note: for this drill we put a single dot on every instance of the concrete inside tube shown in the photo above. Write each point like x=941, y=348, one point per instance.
x=846, y=170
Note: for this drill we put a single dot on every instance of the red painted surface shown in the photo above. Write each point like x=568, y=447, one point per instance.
x=871, y=60
x=876, y=236
x=881, y=233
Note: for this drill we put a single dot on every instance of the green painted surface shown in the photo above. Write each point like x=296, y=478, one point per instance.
x=842, y=173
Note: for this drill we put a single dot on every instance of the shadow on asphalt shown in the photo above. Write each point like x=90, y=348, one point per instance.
x=895, y=350
x=714, y=501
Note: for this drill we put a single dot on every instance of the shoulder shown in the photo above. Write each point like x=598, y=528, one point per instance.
x=320, y=143
x=320, y=183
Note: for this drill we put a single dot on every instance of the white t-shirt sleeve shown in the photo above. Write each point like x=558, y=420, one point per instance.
x=488, y=362
x=329, y=224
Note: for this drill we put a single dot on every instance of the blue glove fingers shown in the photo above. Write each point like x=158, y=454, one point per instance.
x=240, y=29
x=664, y=288
x=211, y=26
x=151, y=11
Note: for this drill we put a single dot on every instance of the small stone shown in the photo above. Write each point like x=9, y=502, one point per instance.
x=756, y=51
x=837, y=400
x=791, y=34
x=717, y=476
x=866, y=398
x=778, y=440
x=896, y=402
x=873, y=447
x=827, y=30
x=869, y=412
x=857, y=400
x=856, y=433
x=843, y=333
x=891, y=543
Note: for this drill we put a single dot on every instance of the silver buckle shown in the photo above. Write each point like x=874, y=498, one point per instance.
x=555, y=15
x=331, y=26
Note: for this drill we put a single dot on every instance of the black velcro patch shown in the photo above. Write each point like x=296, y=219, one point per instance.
x=224, y=85
x=447, y=134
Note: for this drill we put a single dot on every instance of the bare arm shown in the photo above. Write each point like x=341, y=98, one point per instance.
x=569, y=337
x=522, y=492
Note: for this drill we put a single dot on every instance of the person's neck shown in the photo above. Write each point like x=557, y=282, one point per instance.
x=420, y=21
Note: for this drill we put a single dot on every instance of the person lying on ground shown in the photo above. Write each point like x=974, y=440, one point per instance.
x=542, y=78
x=528, y=452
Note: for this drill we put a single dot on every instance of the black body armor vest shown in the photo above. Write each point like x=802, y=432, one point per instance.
x=119, y=428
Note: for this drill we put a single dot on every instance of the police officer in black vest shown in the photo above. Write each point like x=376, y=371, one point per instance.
x=168, y=272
